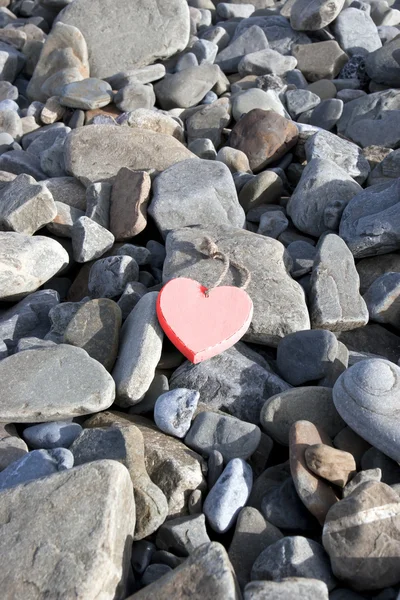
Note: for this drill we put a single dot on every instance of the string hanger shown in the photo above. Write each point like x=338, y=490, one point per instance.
x=210, y=249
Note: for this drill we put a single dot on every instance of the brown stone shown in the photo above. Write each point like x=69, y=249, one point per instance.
x=322, y=60
x=175, y=469
x=334, y=465
x=107, y=111
x=264, y=136
x=315, y=493
x=362, y=537
x=129, y=198
x=95, y=327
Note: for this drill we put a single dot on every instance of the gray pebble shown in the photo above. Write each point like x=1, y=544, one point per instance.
x=154, y=572
x=35, y=464
x=109, y=276
x=57, y=434
x=173, y=411
x=182, y=535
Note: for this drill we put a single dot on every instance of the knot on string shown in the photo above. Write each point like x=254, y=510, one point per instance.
x=210, y=249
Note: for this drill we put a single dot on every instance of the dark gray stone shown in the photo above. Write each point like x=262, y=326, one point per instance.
x=183, y=535
x=215, y=465
x=282, y=507
x=206, y=192
x=252, y=39
x=154, y=572
x=98, y=203
x=230, y=436
x=109, y=276
x=303, y=255
x=313, y=16
x=294, y=556
x=369, y=223
x=237, y=381
x=366, y=396
x=375, y=460
x=335, y=301
x=381, y=65
x=309, y=402
x=320, y=197
x=373, y=339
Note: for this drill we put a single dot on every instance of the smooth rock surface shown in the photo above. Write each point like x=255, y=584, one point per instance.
x=173, y=411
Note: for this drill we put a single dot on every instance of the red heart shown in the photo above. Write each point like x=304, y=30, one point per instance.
x=202, y=326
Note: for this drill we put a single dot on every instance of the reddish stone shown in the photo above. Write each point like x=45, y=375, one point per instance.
x=129, y=198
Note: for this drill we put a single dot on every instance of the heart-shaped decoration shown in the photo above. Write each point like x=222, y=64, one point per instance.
x=200, y=325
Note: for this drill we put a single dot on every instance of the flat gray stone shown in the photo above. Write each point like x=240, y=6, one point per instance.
x=266, y=62
x=306, y=355
x=139, y=353
x=369, y=222
x=313, y=16
x=386, y=170
x=98, y=152
x=294, y=556
x=345, y=154
x=366, y=397
x=308, y=402
x=281, y=505
x=237, y=381
x=63, y=516
x=133, y=36
x=335, y=300
x=206, y=192
x=207, y=572
x=60, y=382
x=321, y=196
x=125, y=445
x=186, y=88
x=372, y=120
x=27, y=262
x=208, y=123
x=173, y=411
x=290, y=589
x=228, y=495
x=251, y=40
x=230, y=436
x=279, y=302
x=86, y=94
x=356, y=32
x=299, y=101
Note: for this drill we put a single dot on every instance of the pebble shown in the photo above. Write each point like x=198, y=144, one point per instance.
x=135, y=95
x=231, y=437
x=294, y=556
x=89, y=240
x=228, y=495
x=109, y=276
x=365, y=396
x=327, y=113
x=58, y=434
x=173, y=411
x=250, y=40
x=321, y=60
x=334, y=465
x=34, y=465
x=183, y=535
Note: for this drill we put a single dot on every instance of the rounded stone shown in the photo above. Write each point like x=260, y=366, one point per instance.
x=367, y=397
x=281, y=411
x=331, y=464
x=58, y=434
x=228, y=496
x=173, y=411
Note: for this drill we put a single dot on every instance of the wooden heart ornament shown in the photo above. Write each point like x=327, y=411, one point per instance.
x=201, y=325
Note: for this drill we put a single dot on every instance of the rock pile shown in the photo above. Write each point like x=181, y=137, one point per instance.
x=130, y=131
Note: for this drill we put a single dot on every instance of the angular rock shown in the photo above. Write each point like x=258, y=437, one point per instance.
x=264, y=137
x=125, y=445
x=361, y=530
x=252, y=251
x=86, y=386
x=98, y=198
x=109, y=276
x=215, y=204
x=313, y=16
x=70, y=512
x=252, y=535
x=183, y=535
x=321, y=60
x=287, y=558
x=175, y=469
x=315, y=493
x=208, y=123
x=230, y=436
x=335, y=301
x=250, y=40
x=228, y=495
x=366, y=397
x=321, y=196
x=186, y=88
x=63, y=222
x=90, y=240
x=255, y=98
x=27, y=262
x=344, y=154
x=281, y=411
x=133, y=36
x=139, y=353
x=299, y=101
x=128, y=208
x=369, y=222
x=207, y=573
x=95, y=328
x=97, y=153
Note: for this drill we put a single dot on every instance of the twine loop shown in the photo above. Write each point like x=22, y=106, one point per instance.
x=210, y=249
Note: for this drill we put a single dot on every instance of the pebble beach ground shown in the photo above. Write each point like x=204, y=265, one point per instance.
x=131, y=132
